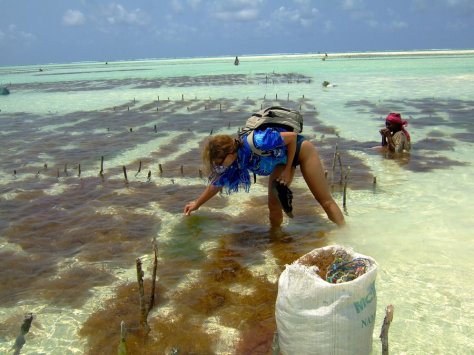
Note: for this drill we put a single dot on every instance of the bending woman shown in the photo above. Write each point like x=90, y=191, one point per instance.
x=229, y=161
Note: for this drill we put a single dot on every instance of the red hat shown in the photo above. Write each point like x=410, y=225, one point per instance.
x=397, y=118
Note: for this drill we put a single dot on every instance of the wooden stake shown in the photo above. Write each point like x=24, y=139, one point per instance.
x=346, y=176
x=200, y=173
x=340, y=168
x=149, y=175
x=141, y=295
x=125, y=173
x=139, y=167
x=161, y=168
x=79, y=170
x=65, y=169
x=386, y=324
x=153, y=280
x=101, y=166
x=182, y=170
x=334, y=165
x=122, y=348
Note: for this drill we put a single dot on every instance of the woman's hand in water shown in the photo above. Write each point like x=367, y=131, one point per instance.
x=190, y=207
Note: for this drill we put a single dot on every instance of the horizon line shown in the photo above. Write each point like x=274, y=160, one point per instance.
x=319, y=55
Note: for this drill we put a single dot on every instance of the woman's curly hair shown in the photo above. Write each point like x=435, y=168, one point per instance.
x=218, y=147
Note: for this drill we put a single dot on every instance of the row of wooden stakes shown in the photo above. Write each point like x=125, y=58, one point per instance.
x=220, y=104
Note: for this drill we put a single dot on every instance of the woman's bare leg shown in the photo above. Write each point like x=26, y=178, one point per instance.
x=314, y=176
x=275, y=212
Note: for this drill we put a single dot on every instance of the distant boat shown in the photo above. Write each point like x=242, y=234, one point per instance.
x=4, y=90
x=236, y=61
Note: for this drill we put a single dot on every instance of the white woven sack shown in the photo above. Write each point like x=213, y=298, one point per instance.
x=317, y=317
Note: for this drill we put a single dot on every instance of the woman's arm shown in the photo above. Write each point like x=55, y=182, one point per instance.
x=388, y=137
x=209, y=192
x=290, y=142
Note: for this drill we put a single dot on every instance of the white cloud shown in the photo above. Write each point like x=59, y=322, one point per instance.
x=373, y=23
x=302, y=16
x=357, y=9
x=177, y=6
x=466, y=7
x=180, y=6
x=420, y=5
x=175, y=32
x=194, y=3
x=456, y=2
x=240, y=15
x=398, y=24
x=328, y=26
x=456, y=25
x=117, y=14
x=13, y=34
x=351, y=5
x=237, y=10
x=26, y=36
x=305, y=3
x=73, y=18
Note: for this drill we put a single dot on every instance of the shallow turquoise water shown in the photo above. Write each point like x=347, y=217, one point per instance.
x=416, y=221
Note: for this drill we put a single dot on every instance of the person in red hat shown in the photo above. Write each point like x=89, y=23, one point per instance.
x=395, y=138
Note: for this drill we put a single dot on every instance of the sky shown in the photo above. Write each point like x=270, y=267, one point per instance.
x=64, y=31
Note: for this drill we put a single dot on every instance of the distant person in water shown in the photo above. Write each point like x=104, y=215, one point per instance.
x=395, y=138
x=229, y=161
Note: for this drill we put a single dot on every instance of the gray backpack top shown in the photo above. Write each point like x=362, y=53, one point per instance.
x=275, y=116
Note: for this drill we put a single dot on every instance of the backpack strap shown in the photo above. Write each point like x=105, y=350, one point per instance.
x=266, y=111
x=252, y=146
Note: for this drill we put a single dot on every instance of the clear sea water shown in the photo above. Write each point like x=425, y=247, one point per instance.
x=69, y=241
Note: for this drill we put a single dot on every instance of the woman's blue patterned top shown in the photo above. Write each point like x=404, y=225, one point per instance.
x=237, y=175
